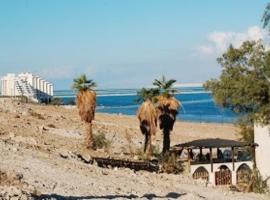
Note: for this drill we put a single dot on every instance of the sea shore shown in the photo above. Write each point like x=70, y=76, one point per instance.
x=39, y=145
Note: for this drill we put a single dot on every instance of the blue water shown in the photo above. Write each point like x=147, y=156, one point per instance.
x=197, y=104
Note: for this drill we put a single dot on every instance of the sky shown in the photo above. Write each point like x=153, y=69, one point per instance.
x=124, y=43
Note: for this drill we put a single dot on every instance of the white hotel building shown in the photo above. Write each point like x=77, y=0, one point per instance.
x=26, y=84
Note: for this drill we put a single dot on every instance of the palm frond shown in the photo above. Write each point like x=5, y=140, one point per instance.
x=165, y=86
x=147, y=94
x=82, y=83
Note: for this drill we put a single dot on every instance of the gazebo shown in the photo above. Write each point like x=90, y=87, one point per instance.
x=230, y=166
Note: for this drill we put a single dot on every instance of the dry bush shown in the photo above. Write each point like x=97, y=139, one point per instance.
x=258, y=184
x=23, y=99
x=10, y=180
x=140, y=154
x=51, y=126
x=100, y=141
x=130, y=144
x=170, y=165
x=156, y=151
x=56, y=101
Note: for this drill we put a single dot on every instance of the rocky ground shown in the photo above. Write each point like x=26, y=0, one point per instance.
x=39, y=148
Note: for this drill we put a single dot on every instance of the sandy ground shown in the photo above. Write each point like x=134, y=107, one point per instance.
x=39, y=144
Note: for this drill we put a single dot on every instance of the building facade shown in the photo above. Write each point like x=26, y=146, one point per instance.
x=26, y=84
x=262, y=138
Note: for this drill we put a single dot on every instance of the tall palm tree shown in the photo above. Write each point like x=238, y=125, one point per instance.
x=147, y=116
x=167, y=107
x=86, y=103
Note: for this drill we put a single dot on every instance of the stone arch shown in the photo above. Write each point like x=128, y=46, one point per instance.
x=243, y=174
x=201, y=173
x=223, y=167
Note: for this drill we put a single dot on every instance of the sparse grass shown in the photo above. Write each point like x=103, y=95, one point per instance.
x=36, y=115
x=23, y=99
x=9, y=180
x=156, y=151
x=55, y=101
x=51, y=126
x=169, y=164
x=140, y=154
x=130, y=144
x=100, y=141
x=258, y=184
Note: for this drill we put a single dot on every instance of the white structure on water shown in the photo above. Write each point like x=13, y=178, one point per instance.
x=26, y=84
x=262, y=138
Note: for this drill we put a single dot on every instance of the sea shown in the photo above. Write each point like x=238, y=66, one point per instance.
x=197, y=105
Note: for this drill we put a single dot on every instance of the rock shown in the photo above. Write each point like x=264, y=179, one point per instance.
x=136, y=158
x=17, y=116
x=104, y=172
x=11, y=135
x=19, y=176
x=87, y=158
x=64, y=154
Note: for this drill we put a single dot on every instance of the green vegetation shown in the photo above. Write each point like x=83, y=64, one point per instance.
x=82, y=83
x=147, y=94
x=165, y=86
x=244, y=85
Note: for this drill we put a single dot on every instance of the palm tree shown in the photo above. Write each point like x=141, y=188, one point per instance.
x=86, y=103
x=167, y=107
x=147, y=116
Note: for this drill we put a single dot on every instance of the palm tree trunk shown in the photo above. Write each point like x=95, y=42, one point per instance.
x=146, y=141
x=166, y=140
x=89, y=143
x=149, y=150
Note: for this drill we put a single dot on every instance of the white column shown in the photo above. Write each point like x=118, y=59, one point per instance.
x=47, y=88
x=34, y=82
x=234, y=177
x=212, y=178
x=39, y=84
x=51, y=89
x=42, y=85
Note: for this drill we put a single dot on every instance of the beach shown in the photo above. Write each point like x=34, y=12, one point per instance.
x=40, y=143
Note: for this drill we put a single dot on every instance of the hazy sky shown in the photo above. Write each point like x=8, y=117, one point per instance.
x=123, y=43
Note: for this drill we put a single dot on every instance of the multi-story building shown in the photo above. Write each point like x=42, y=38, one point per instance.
x=26, y=84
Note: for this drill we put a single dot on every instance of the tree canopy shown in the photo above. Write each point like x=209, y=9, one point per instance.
x=147, y=94
x=243, y=85
x=266, y=16
x=165, y=86
x=82, y=83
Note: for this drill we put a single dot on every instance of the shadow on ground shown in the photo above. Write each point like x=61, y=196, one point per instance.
x=171, y=195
